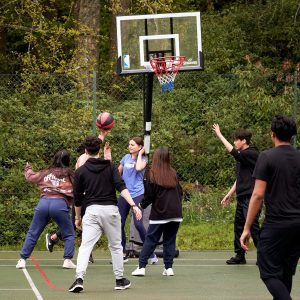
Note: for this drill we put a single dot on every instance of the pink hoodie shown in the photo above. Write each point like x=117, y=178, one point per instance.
x=53, y=182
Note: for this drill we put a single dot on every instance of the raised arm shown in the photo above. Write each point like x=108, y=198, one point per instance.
x=217, y=130
x=140, y=162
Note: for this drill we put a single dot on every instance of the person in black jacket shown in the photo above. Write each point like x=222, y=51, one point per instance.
x=95, y=185
x=164, y=192
x=246, y=156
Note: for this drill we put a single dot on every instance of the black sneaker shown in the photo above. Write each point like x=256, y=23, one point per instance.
x=49, y=243
x=125, y=259
x=91, y=259
x=236, y=260
x=122, y=284
x=77, y=286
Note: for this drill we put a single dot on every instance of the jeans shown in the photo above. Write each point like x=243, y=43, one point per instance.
x=154, y=232
x=124, y=209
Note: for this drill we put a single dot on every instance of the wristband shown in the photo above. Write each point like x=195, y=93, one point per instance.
x=132, y=206
x=77, y=218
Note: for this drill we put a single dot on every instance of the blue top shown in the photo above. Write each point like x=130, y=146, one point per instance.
x=133, y=178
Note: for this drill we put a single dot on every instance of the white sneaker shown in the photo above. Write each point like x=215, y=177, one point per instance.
x=168, y=272
x=153, y=260
x=138, y=272
x=21, y=264
x=68, y=264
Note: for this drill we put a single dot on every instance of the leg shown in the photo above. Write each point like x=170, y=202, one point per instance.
x=255, y=229
x=277, y=289
x=169, y=241
x=59, y=211
x=38, y=223
x=124, y=209
x=239, y=222
x=152, y=238
x=91, y=233
x=111, y=224
x=276, y=261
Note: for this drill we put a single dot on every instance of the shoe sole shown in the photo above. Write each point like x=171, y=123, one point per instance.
x=138, y=275
x=47, y=244
x=123, y=287
x=236, y=263
x=76, y=289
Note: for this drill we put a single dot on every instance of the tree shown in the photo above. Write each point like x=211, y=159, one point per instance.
x=87, y=15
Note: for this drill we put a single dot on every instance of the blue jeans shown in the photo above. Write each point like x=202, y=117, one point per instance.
x=50, y=208
x=154, y=232
x=124, y=209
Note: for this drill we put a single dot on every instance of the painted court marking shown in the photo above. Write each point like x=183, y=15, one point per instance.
x=32, y=285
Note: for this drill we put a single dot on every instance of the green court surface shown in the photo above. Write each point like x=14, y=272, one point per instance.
x=198, y=275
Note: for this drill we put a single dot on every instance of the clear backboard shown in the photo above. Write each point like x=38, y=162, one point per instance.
x=142, y=37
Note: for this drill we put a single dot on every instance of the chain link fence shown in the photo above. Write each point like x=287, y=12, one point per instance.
x=40, y=114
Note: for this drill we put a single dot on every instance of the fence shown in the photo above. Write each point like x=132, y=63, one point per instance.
x=41, y=114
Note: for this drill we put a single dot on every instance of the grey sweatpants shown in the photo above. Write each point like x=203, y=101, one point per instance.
x=99, y=219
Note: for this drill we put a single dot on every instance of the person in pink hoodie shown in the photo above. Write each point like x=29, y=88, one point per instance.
x=56, y=197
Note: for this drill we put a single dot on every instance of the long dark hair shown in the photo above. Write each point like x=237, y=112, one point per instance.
x=161, y=171
x=61, y=160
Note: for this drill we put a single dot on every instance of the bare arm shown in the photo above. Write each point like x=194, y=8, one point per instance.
x=140, y=163
x=217, y=130
x=78, y=217
x=126, y=195
x=120, y=169
x=228, y=196
x=254, y=207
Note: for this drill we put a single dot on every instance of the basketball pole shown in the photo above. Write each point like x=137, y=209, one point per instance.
x=148, y=95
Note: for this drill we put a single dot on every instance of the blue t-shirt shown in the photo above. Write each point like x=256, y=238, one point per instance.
x=133, y=178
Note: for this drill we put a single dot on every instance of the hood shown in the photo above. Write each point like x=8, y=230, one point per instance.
x=253, y=148
x=96, y=165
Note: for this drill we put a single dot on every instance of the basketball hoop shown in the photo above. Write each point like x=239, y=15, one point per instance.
x=166, y=69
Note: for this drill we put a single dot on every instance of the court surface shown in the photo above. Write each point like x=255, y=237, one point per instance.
x=198, y=275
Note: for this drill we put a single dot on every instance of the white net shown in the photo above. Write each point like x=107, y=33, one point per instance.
x=166, y=69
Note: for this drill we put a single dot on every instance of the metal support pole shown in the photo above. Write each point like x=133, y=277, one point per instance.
x=148, y=110
x=94, y=100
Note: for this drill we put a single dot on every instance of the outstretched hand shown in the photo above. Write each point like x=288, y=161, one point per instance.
x=103, y=134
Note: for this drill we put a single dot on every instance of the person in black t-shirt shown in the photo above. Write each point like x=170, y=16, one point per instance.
x=245, y=155
x=277, y=182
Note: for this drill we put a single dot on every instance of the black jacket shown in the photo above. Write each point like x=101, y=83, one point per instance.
x=166, y=203
x=96, y=182
x=245, y=163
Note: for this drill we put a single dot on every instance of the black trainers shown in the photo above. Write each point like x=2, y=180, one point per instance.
x=125, y=259
x=122, y=284
x=236, y=260
x=49, y=243
x=91, y=258
x=77, y=286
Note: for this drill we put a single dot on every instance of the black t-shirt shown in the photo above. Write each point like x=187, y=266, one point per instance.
x=280, y=168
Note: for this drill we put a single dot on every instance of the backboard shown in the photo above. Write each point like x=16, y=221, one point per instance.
x=142, y=37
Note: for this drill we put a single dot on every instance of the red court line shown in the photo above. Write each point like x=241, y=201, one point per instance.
x=49, y=283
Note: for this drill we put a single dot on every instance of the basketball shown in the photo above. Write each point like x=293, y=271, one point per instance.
x=105, y=121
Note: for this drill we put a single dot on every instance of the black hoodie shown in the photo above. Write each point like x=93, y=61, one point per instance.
x=96, y=182
x=245, y=163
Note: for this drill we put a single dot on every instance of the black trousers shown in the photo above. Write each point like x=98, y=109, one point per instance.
x=278, y=253
x=239, y=223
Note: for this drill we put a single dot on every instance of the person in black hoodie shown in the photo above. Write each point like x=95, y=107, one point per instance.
x=95, y=184
x=163, y=190
x=246, y=156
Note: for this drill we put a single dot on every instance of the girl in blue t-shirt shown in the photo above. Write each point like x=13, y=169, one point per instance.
x=132, y=168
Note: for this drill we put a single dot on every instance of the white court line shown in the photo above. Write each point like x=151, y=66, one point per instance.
x=32, y=285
